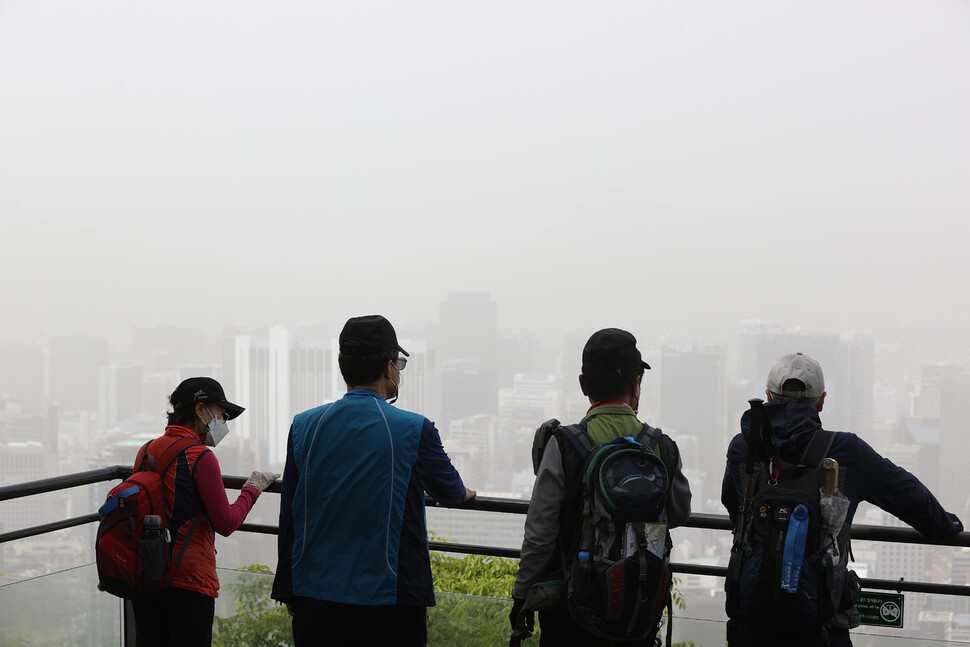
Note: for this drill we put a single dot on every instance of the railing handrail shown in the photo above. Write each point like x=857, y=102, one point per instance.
x=863, y=532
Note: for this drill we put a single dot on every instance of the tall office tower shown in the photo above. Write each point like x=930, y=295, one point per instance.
x=854, y=376
x=885, y=404
x=531, y=401
x=885, y=416
x=119, y=394
x=955, y=443
x=925, y=398
x=22, y=377
x=923, y=437
x=73, y=374
x=276, y=377
x=419, y=387
x=692, y=402
x=251, y=359
x=310, y=379
x=278, y=383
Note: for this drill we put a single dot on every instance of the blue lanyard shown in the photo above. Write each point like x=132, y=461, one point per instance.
x=791, y=568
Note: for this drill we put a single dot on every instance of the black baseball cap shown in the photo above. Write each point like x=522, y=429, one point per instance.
x=368, y=335
x=203, y=389
x=612, y=349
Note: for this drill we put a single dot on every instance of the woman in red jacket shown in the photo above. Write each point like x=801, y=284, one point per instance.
x=181, y=615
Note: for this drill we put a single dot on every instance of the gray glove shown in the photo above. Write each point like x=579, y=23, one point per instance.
x=260, y=480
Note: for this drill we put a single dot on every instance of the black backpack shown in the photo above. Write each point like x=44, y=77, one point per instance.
x=618, y=582
x=781, y=575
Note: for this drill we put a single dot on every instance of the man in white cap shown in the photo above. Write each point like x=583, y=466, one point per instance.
x=796, y=393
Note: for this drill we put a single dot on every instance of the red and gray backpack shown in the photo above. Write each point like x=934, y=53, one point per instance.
x=133, y=548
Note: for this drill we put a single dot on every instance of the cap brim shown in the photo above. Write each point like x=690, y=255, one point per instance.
x=406, y=354
x=645, y=365
x=232, y=410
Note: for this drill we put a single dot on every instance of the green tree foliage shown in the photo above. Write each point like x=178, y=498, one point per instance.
x=459, y=619
x=473, y=603
x=257, y=621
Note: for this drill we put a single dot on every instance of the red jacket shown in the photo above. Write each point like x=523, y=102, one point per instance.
x=194, y=482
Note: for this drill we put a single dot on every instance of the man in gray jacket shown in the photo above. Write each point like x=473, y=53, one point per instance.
x=612, y=371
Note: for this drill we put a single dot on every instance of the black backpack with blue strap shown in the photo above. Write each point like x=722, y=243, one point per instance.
x=781, y=575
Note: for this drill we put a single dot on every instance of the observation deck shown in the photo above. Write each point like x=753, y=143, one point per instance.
x=64, y=607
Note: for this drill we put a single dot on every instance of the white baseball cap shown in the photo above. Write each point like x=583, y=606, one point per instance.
x=797, y=367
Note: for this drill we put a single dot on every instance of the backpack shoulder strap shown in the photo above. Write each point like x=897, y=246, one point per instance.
x=818, y=447
x=579, y=438
x=651, y=435
x=143, y=457
x=179, y=446
x=541, y=439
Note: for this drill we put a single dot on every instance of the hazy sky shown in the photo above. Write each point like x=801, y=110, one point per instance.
x=666, y=167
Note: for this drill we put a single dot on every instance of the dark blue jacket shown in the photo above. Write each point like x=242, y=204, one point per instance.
x=864, y=475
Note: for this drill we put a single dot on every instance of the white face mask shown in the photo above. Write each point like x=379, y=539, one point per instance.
x=217, y=430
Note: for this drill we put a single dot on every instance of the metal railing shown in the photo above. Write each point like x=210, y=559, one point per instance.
x=488, y=504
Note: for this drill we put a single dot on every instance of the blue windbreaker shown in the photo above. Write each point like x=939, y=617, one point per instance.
x=352, y=524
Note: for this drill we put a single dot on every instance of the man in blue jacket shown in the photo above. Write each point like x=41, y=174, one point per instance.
x=795, y=393
x=353, y=563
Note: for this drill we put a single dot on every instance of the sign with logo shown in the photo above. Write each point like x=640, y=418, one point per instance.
x=881, y=609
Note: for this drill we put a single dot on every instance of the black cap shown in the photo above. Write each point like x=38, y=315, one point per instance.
x=612, y=349
x=368, y=335
x=203, y=389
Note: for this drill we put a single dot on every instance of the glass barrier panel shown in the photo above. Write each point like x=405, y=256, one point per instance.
x=62, y=608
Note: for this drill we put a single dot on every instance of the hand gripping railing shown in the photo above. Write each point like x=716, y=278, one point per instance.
x=487, y=504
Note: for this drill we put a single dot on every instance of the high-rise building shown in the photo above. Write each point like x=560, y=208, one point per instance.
x=531, y=401
x=276, y=377
x=419, y=381
x=955, y=443
x=692, y=402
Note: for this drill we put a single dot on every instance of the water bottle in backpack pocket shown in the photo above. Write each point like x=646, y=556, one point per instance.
x=153, y=546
